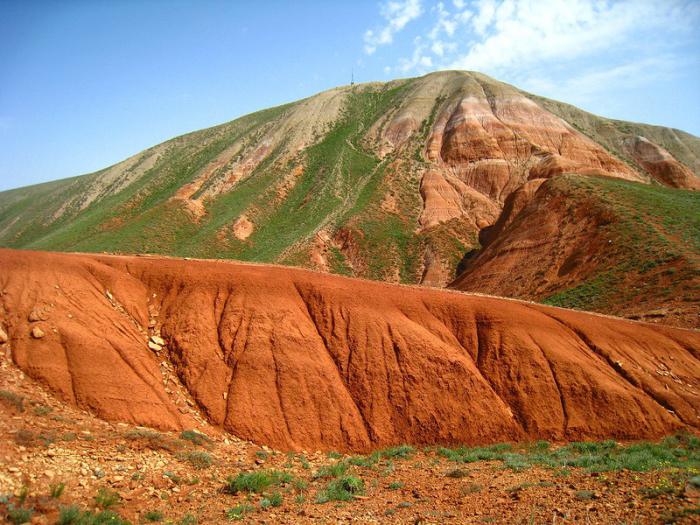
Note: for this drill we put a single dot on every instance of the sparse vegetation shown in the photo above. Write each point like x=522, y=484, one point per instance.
x=344, y=488
x=198, y=459
x=681, y=452
x=273, y=500
x=56, y=490
x=107, y=498
x=256, y=481
x=239, y=511
x=72, y=515
x=19, y=515
x=14, y=400
x=195, y=437
x=153, y=516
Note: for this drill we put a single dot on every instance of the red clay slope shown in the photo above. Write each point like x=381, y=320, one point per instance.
x=302, y=360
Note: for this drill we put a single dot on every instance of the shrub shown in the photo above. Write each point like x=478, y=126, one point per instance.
x=395, y=485
x=42, y=410
x=344, y=488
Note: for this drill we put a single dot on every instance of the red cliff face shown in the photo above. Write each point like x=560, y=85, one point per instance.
x=302, y=360
x=660, y=163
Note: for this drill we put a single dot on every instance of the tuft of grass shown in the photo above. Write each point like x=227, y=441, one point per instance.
x=107, y=498
x=331, y=471
x=72, y=515
x=187, y=519
x=12, y=399
x=400, y=452
x=68, y=515
x=395, y=485
x=344, y=488
x=585, y=494
x=273, y=500
x=153, y=440
x=198, y=459
x=56, y=490
x=198, y=438
x=153, y=516
x=19, y=515
x=457, y=473
x=239, y=511
x=42, y=410
x=256, y=482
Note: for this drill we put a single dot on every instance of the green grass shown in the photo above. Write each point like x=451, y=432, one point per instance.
x=651, y=229
x=238, y=512
x=195, y=437
x=72, y=515
x=273, y=500
x=344, y=488
x=198, y=459
x=12, y=399
x=107, y=498
x=153, y=516
x=256, y=482
x=676, y=452
x=331, y=471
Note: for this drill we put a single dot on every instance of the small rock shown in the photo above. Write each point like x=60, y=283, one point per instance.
x=158, y=340
x=3, y=336
x=154, y=346
x=49, y=474
x=37, y=333
x=35, y=315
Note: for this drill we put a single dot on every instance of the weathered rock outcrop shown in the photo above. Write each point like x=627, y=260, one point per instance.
x=299, y=360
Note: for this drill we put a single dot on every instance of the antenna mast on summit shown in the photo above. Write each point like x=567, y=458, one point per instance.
x=352, y=77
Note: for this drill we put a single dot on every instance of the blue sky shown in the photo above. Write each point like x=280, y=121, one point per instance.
x=85, y=84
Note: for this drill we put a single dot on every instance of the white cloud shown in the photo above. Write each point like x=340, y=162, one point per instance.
x=580, y=44
x=396, y=14
x=516, y=34
x=589, y=84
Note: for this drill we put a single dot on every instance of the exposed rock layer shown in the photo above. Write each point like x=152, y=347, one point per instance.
x=299, y=360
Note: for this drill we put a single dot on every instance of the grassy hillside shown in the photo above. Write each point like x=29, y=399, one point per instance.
x=653, y=251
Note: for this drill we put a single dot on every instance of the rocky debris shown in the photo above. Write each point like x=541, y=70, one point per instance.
x=3, y=336
x=37, y=333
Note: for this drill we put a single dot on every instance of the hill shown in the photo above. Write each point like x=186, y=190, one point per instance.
x=390, y=181
x=301, y=360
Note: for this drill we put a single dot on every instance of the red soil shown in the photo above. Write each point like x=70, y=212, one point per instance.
x=297, y=359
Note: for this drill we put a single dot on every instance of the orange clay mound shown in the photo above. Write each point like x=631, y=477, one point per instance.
x=302, y=360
